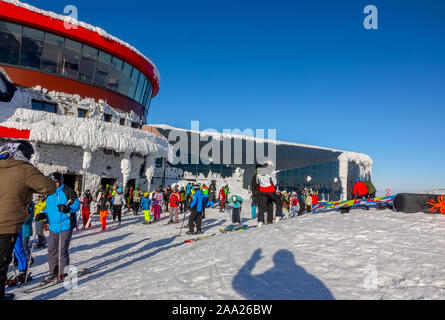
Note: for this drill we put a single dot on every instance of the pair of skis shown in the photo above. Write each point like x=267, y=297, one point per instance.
x=42, y=286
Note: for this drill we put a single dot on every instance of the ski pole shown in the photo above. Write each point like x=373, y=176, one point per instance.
x=30, y=255
x=183, y=220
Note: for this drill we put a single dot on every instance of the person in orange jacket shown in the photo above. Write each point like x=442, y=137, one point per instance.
x=360, y=190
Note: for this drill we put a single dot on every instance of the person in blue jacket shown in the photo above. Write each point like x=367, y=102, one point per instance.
x=196, y=207
x=61, y=209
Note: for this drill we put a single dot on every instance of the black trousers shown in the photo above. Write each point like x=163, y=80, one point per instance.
x=182, y=206
x=117, y=211
x=266, y=202
x=195, y=218
x=236, y=215
x=7, y=243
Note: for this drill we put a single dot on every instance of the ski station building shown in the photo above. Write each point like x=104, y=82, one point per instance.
x=329, y=171
x=82, y=97
x=79, y=95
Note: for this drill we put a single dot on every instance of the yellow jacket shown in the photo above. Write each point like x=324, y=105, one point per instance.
x=39, y=207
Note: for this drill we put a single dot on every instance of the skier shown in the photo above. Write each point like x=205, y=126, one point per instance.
x=39, y=207
x=86, y=206
x=157, y=202
x=146, y=204
x=166, y=194
x=183, y=195
x=222, y=200
x=118, y=203
x=301, y=202
x=295, y=206
x=315, y=199
x=19, y=181
x=308, y=201
x=267, y=182
x=103, y=205
x=137, y=196
x=27, y=233
x=205, y=193
x=175, y=198
x=61, y=209
x=196, y=212
x=237, y=202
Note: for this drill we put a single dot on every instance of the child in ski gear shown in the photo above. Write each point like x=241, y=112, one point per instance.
x=27, y=231
x=196, y=212
x=205, y=193
x=20, y=180
x=308, y=201
x=39, y=207
x=254, y=206
x=175, y=199
x=237, y=202
x=118, y=203
x=61, y=209
x=86, y=206
x=146, y=204
x=157, y=202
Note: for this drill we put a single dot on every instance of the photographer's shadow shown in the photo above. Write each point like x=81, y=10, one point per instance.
x=285, y=281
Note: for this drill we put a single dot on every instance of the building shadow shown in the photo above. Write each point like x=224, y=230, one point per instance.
x=285, y=281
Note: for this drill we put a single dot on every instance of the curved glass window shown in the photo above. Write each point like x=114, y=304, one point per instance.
x=71, y=58
x=126, y=78
x=102, y=69
x=52, y=53
x=134, y=83
x=10, y=41
x=88, y=62
x=141, y=86
x=115, y=74
x=32, y=45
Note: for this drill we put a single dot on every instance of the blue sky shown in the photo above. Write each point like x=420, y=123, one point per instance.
x=306, y=68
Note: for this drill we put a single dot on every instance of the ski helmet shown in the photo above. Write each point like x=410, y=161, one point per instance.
x=56, y=177
x=269, y=163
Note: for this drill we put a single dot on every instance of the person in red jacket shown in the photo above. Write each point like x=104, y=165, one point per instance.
x=360, y=190
x=175, y=199
x=315, y=199
x=222, y=200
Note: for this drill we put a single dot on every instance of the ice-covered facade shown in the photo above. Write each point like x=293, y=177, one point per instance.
x=79, y=95
x=329, y=171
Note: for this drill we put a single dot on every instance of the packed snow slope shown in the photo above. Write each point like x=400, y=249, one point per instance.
x=360, y=255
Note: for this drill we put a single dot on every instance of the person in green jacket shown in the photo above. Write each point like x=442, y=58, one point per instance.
x=371, y=188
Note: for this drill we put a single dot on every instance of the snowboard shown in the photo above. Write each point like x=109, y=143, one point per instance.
x=353, y=203
x=426, y=203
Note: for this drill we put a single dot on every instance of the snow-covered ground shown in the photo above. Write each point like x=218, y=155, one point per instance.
x=360, y=255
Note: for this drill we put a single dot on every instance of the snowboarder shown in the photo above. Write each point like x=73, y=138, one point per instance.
x=19, y=181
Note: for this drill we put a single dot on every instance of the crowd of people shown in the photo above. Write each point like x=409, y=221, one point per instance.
x=56, y=206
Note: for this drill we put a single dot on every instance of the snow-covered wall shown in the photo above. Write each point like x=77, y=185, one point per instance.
x=363, y=161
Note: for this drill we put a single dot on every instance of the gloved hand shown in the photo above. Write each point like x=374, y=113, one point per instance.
x=41, y=216
x=63, y=208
